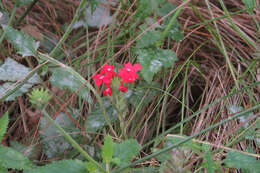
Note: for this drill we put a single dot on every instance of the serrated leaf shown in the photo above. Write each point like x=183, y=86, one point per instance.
x=152, y=60
x=174, y=33
x=65, y=80
x=69, y=166
x=4, y=120
x=96, y=119
x=126, y=151
x=54, y=144
x=108, y=149
x=242, y=161
x=148, y=39
x=11, y=158
x=147, y=7
x=12, y=72
x=25, y=45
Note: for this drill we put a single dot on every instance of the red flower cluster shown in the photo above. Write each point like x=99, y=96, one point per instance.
x=127, y=74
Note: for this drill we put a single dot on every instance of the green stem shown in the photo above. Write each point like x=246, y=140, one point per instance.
x=243, y=35
x=72, y=141
x=69, y=29
x=26, y=12
x=184, y=96
x=9, y=23
x=188, y=138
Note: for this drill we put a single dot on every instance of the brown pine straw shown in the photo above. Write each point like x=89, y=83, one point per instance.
x=215, y=145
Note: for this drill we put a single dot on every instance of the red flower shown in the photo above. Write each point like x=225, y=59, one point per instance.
x=123, y=88
x=130, y=68
x=108, y=91
x=128, y=73
x=107, y=79
x=108, y=69
x=98, y=79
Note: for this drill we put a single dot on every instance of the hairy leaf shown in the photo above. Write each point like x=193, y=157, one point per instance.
x=11, y=158
x=70, y=166
x=126, y=151
x=242, y=161
x=65, y=80
x=174, y=33
x=108, y=149
x=152, y=60
x=25, y=45
x=149, y=39
x=54, y=143
x=3, y=125
x=11, y=71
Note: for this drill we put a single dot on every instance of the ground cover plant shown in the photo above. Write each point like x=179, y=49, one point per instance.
x=129, y=86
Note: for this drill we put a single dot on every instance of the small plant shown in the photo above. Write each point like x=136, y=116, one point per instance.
x=39, y=97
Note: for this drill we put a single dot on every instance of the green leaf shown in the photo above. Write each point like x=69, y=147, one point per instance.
x=91, y=167
x=54, y=144
x=3, y=125
x=148, y=39
x=11, y=158
x=69, y=166
x=108, y=149
x=251, y=4
x=3, y=170
x=152, y=60
x=25, y=45
x=65, y=80
x=12, y=72
x=209, y=164
x=8, y=85
x=174, y=33
x=96, y=119
x=23, y=2
x=126, y=151
x=147, y=7
x=32, y=151
x=175, y=159
x=242, y=161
